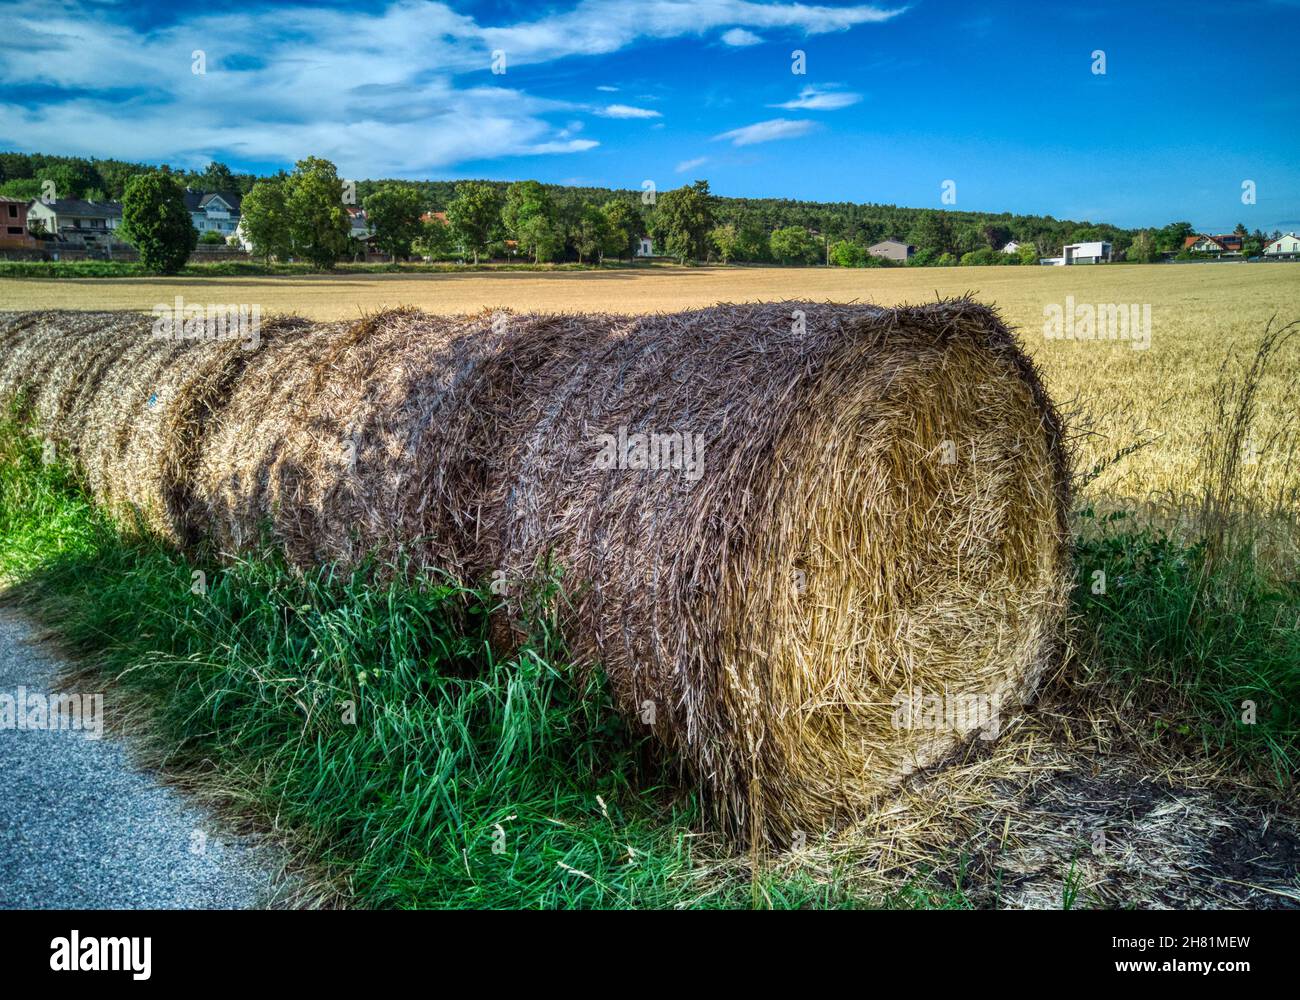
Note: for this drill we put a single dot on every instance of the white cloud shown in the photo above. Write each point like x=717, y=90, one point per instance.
x=821, y=99
x=686, y=165
x=740, y=37
x=382, y=93
x=775, y=128
x=608, y=89
x=627, y=111
x=569, y=146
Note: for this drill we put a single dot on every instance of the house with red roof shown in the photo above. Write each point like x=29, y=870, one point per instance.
x=1225, y=243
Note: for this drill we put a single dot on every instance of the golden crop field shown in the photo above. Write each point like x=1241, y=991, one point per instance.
x=1164, y=394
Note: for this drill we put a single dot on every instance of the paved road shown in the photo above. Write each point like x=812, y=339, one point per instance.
x=81, y=826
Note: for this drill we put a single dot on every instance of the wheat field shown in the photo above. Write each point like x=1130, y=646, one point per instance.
x=1153, y=399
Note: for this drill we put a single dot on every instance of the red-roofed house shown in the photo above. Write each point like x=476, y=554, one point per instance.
x=1202, y=243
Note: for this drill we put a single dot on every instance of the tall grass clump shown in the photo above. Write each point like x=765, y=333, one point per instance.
x=1200, y=630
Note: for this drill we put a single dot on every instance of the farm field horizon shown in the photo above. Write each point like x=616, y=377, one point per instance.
x=1020, y=292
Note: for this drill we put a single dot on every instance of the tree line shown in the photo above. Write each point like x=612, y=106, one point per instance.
x=301, y=214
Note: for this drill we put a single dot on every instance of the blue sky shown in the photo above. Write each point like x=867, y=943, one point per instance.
x=1000, y=98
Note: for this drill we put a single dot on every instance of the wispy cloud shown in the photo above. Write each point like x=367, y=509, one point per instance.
x=775, y=128
x=627, y=111
x=686, y=165
x=739, y=37
x=392, y=91
x=814, y=98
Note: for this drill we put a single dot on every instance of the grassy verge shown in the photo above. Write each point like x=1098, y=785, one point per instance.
x=1206, y=654
x=253, y=268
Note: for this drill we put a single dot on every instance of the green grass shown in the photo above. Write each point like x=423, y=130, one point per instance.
x=1188, y=646
x=257, y=268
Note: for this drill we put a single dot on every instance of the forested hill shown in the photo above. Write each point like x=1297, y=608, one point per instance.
x=863, y=223
x=76, y=177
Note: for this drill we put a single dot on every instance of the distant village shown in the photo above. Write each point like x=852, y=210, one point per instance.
x=76, y=229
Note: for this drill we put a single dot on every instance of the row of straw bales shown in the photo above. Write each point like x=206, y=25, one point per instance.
x=855, y=505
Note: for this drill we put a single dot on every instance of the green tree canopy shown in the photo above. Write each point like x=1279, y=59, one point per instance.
x=594, y=235
x=932, y=232
x=394, y=213
x=264, y=219
x=474, y=215
x=726, y=240
x=793, y=245
x=682, y=220
x=626, y=225
x=846, y=253
x=529, y=216
x=318, y=223
x=156, y=222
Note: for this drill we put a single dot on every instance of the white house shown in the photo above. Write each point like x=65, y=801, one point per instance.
x=1086, y=253
x=645, y=248
x=215, y=211
x=1012, y=248
x=90, y=223
x=1286, y=246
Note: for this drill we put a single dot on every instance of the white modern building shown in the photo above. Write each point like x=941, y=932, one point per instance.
x=1086, y=253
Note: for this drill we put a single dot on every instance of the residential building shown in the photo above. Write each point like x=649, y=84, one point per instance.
x=1227, y=243
x=1012, y=248
x=214, y=211
x=13, y=224
x=1086, y=253
x=89, y=223
x=359, y=225
x=645, y=247
x=892, y=249
x=1285, y=246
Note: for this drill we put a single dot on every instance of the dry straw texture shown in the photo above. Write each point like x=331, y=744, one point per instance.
x=856, y=506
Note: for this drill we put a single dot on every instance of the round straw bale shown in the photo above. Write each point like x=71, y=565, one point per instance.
x=32, y=348
x=814, y=547
x=239, y=472
x=852, y=558
x=90, y=342
x=151, y=417
x=844, y=553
